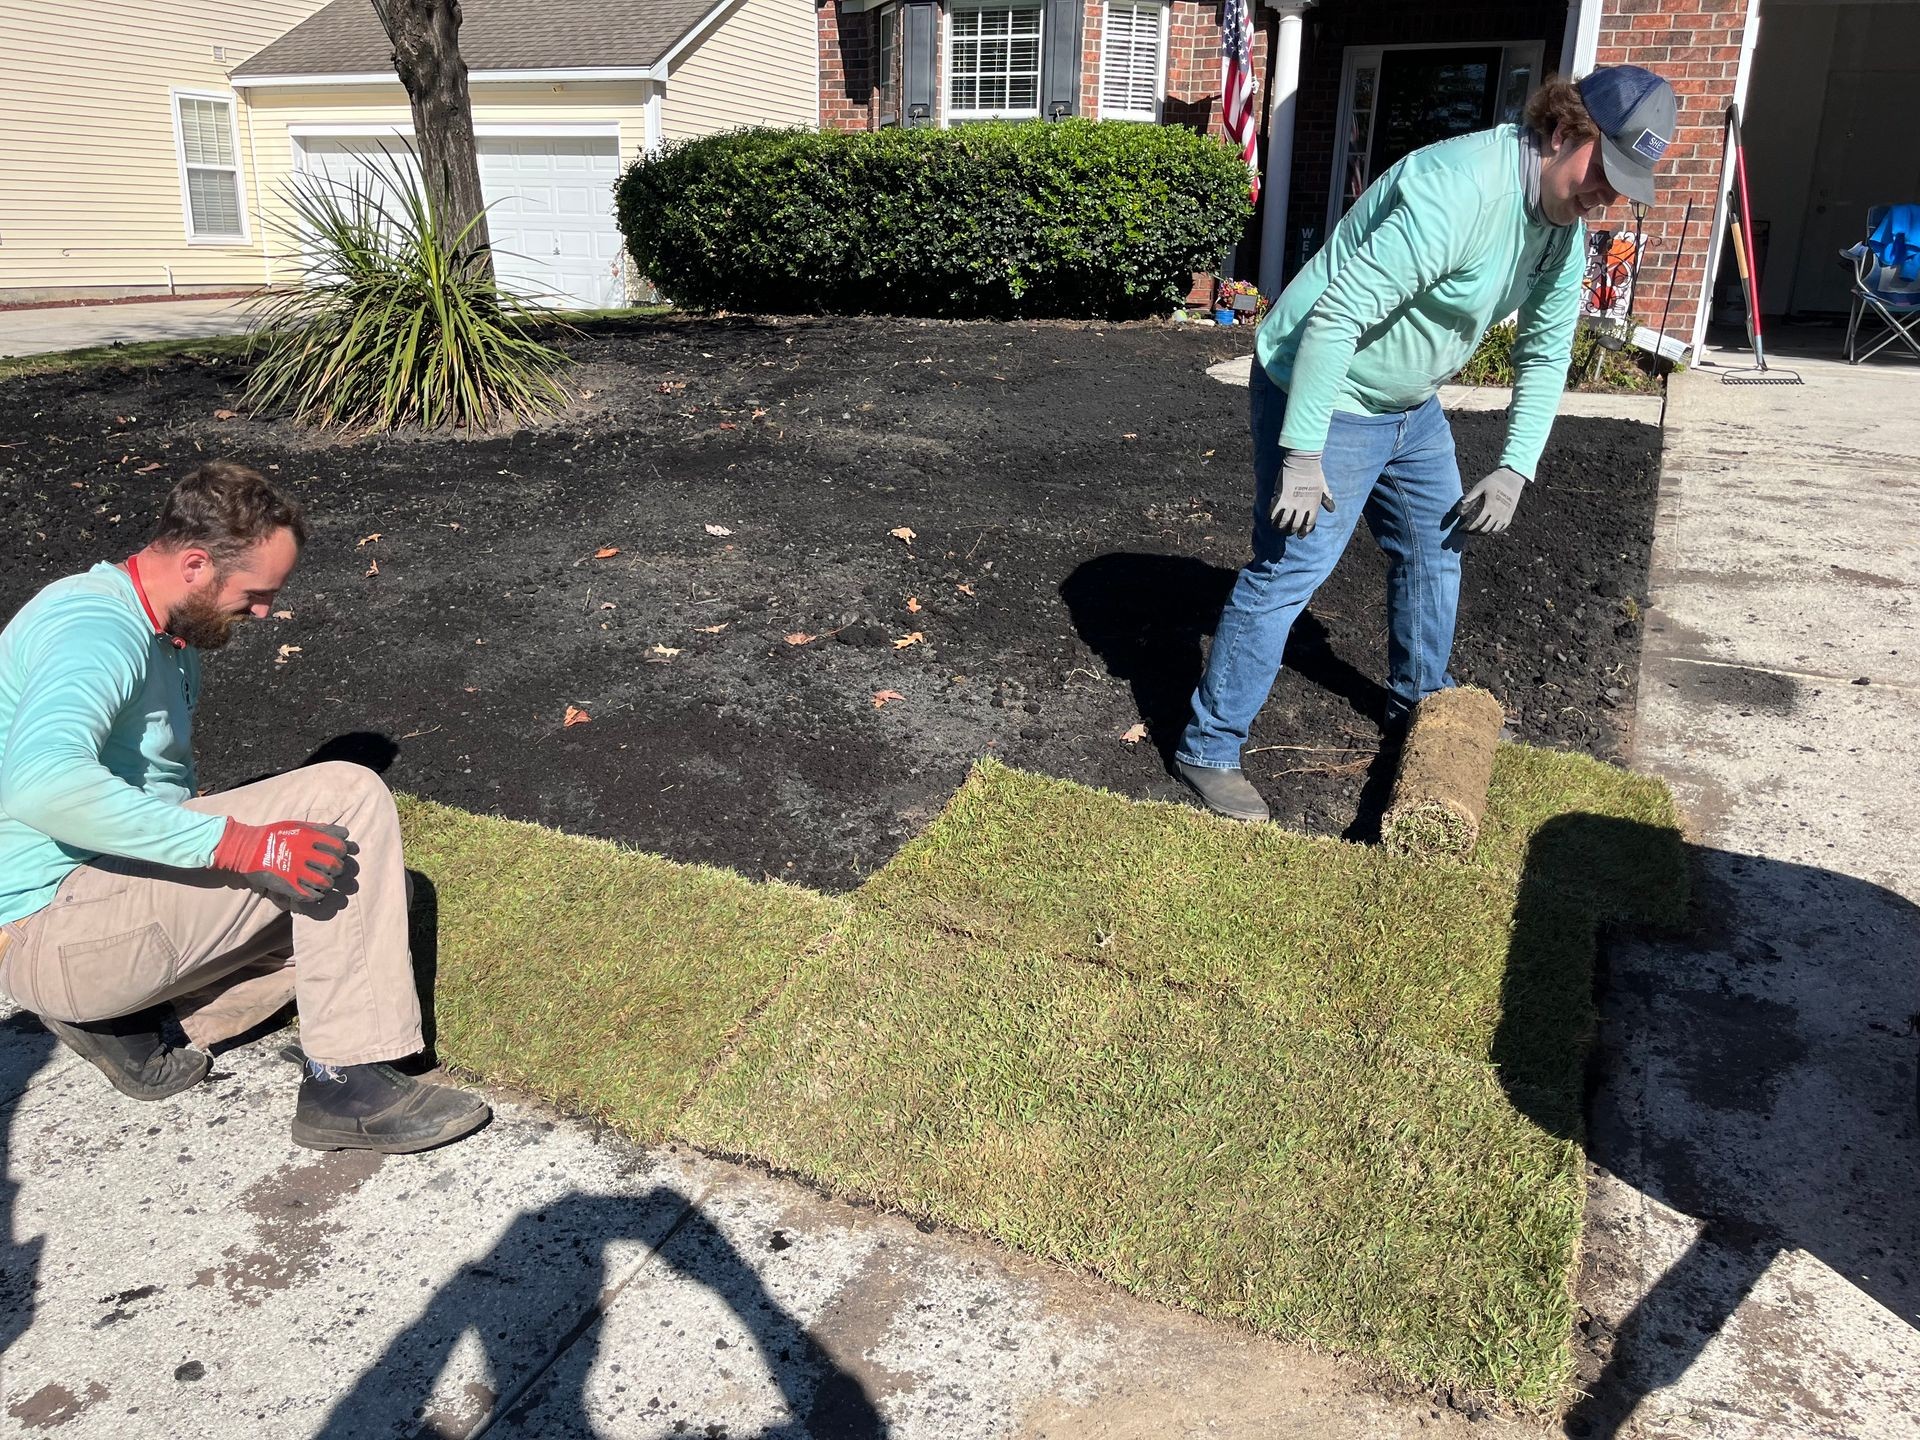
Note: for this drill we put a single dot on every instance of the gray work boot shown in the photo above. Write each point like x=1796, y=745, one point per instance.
x=375, y=1107
x=128, y=1050
x=1225, y=792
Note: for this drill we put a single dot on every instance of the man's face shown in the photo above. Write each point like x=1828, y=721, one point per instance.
x=1573, y=185
x=217, y=600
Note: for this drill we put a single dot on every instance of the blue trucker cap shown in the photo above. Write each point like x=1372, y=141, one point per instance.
x=1636, y=113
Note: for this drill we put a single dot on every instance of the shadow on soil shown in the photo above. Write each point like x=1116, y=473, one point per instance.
x=1757, y=1075
x=823, y=1401
x=1145, y=616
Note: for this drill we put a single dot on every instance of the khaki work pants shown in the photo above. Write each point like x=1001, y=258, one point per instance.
x=122, y=935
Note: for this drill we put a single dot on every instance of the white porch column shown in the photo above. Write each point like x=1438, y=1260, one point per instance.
x=1277, y=186
x=1581, y=43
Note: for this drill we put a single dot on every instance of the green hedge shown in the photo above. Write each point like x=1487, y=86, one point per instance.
x=1071, y=218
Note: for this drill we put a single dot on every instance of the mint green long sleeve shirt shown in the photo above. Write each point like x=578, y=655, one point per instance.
x=96, y=740
x=1438, y=248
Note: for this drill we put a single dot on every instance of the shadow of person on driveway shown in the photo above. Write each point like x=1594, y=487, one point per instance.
x=537, y=1314
x=25, y=1048
x=1145, y=615
x=1756, y=1074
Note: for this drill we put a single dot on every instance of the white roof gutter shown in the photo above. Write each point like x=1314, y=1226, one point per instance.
x=656, y=71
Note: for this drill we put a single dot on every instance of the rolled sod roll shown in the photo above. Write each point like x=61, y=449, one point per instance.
x=1446, y=762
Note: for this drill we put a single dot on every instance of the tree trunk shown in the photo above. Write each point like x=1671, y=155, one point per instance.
x=426, y=53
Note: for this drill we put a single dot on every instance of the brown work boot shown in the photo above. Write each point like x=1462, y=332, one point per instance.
x=130, y=1052
x=375, y=1107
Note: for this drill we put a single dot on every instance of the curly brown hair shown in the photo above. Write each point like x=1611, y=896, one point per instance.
x=225, y=508
x=1557, y=105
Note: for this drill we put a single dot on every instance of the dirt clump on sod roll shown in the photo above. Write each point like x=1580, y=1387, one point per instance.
x=1440, y=794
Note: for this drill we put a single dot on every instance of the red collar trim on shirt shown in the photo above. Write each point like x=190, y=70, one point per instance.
x=132, y=564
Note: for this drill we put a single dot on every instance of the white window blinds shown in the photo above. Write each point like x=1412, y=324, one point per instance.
x=211, y=170
x=1131, y=65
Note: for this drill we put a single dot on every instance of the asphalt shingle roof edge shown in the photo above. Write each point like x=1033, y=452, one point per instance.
x=345, y=37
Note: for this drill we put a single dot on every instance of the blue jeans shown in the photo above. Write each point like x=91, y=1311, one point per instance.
x=1400, y=472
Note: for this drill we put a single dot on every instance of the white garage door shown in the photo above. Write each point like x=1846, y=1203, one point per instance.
x=549, y=208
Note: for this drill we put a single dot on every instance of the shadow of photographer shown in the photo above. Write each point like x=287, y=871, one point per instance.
x=1756, y=1074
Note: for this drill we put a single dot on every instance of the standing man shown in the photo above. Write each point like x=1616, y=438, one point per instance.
x=1346, y=415
x=125, y=895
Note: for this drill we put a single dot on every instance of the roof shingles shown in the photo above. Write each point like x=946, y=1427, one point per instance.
x=345, y=38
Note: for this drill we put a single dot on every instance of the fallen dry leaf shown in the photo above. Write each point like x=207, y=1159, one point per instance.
x=728, y=425
x=608, y=605
x=799, y=637
x=1134, y=733
x=366, y=539
x=669, y=387
x=285, y=651
x=964, y=588
x=374, y=568
x=453, y=524
x=759, y=414
x=913, y=604
x=283, y=614
x=902, y=533
x=905, y=640
x=716, y=530
x=471, y=689
x=712, y=629
x=575, y=717
x=1129, y=436
x=606, y=552
x=1208, y=453
x=148, y=469
x=666, y=650
x=223, y=414
x=881, y=697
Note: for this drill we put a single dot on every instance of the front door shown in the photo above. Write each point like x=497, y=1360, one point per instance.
x=1396, y=99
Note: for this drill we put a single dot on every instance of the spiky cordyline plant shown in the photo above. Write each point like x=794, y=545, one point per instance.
x=394, y=323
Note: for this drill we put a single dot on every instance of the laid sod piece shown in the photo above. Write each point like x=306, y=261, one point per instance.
x=1446, y=764
x=598, y=978
x=1296, y=1083
x=138, y=354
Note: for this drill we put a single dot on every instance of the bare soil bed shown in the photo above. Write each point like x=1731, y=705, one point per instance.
x=1077, y=500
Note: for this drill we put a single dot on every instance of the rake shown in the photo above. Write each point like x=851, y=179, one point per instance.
x=1759, y=373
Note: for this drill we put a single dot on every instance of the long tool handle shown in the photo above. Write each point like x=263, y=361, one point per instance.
x=1666, y=311
x=1750, y=261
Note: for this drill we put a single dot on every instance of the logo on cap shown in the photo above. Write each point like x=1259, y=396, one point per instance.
x=1650, y=145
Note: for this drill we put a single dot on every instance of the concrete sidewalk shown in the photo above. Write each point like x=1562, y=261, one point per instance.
x=181, y=1269
x=77, y=327
x=1754, y=1256
x=1644, y=408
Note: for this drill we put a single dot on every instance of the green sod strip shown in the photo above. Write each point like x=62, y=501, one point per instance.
x=598, y=978
x=1293, y=1082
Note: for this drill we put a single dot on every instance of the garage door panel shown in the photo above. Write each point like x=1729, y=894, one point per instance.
x=549, y=208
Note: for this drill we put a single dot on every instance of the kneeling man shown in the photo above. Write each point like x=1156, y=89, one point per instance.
x=124, y=895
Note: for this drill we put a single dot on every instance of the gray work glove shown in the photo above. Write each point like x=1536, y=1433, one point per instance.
x=1301, y=493
x=1487, y=509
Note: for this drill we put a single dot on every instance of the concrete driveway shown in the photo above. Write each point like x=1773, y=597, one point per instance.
x=78, y=327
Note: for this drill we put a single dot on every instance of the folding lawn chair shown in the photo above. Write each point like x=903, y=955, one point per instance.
x=1886, y=280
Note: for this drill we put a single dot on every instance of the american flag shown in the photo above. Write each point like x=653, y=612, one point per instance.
x=1236, y=83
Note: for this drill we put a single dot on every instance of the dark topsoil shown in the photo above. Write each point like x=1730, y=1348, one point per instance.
x=1078, y=497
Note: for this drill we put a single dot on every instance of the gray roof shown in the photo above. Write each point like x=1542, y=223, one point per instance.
x=346, y=39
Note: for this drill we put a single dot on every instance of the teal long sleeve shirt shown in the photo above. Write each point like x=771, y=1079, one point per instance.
x=1438, y=248
x=96, y=740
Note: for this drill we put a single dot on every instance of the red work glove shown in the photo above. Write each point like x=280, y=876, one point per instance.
x=289, y=859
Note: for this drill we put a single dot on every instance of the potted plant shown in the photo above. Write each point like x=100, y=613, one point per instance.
x=1234, y=298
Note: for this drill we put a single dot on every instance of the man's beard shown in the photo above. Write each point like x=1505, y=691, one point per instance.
x=200, y=622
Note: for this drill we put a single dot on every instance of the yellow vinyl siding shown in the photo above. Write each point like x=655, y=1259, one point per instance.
x=756, y=67
x=90, y=195
x=278, y=112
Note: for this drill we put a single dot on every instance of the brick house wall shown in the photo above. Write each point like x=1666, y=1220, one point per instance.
x=1695, y=44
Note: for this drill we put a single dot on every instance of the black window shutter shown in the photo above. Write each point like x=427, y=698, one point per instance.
x=919, y=36
x=1060, y=63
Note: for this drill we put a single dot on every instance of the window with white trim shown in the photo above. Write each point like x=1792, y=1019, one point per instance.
x=887, y=63
x=993, y=62
x=209, y=168
x=1133, y=59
